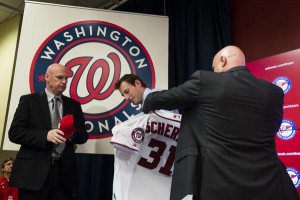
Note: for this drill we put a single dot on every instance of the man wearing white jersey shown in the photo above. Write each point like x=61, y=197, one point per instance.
x=144, y=147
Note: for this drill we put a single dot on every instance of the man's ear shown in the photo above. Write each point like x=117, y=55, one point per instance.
x=137, y=82
x=224, y=62
x=46, y=76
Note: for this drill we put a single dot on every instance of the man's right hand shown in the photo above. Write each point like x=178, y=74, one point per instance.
x=56, y=136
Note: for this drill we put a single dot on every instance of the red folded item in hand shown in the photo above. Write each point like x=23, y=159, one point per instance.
x=67, y=126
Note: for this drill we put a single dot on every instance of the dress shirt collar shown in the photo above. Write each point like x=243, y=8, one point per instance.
x=146, y=92
x=50, y=96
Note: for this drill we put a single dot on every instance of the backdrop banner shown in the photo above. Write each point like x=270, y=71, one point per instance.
x=97, y=47
x=283, y=70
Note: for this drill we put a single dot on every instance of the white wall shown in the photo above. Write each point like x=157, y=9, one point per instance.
x=8, y=44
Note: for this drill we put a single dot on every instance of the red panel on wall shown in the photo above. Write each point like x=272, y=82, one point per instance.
x=284, y=71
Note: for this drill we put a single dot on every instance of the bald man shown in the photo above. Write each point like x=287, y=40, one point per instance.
x=226, y=145
x=41, y=171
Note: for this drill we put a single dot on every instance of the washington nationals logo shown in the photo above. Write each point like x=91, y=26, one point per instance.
x=287, y=130
x=96, y=54
x=294, y=175
x=284, y=83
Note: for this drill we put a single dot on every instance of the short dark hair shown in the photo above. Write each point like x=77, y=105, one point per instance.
x=129, y=78
x=5, y=161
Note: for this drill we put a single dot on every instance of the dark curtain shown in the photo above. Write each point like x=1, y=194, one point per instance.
x=197, y=30
x=95, y=176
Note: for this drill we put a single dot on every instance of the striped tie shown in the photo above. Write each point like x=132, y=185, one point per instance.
x=55, y=118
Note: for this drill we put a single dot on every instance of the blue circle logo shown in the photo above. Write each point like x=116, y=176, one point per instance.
x=294, y=175
x=284, y=83
x=287, y=130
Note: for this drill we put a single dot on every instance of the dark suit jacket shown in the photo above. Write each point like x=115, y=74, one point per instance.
x=29, y=128
x=226, y=146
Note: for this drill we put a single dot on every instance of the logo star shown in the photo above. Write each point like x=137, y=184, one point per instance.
x=41, y=78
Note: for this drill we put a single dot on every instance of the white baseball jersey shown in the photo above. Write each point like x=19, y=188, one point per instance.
x=144, y=156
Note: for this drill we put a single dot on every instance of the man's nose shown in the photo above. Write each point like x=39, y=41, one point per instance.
x=126, y=96
x=65, y=80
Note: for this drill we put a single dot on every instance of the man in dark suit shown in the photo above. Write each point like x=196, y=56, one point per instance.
x=226, y=146
x=41, y=172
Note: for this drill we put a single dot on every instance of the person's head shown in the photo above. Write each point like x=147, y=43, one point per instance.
x=56, y=79
x=131, y=88
x=227, y=58
x=7, y=165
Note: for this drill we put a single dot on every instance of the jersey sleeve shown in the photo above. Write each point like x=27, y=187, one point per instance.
x=129, y=135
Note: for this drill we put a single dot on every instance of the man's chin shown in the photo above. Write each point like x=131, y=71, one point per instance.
x=134, y=103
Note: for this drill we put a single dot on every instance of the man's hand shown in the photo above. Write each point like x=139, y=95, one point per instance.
x=56, y=136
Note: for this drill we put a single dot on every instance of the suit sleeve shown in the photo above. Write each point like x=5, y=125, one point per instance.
x=280, y=109
x=179, y=97
x=22, y=131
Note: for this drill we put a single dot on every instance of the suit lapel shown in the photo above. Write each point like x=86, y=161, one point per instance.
x=44, y=108
x=66, y=106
